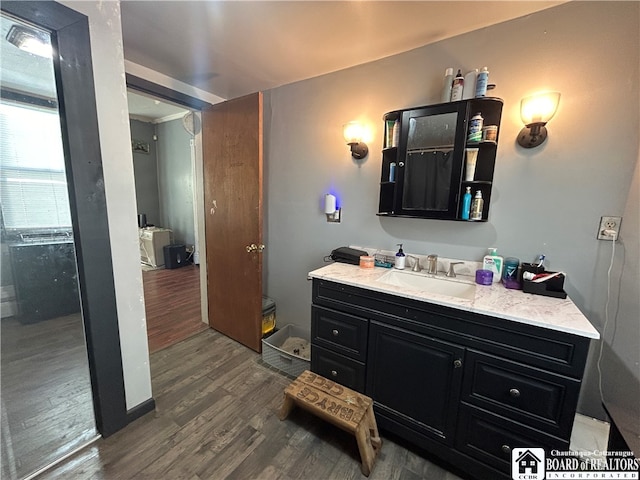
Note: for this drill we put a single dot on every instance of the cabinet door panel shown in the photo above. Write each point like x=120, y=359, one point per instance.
x=338, y=368
x=430, y=166
x=521, y=392
x=416, y=376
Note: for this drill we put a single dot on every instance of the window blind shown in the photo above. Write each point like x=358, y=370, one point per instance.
x=33, y=186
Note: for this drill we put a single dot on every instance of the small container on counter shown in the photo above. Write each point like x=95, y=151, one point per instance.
x=484, y=277
x=367, y=261
x=510, y=273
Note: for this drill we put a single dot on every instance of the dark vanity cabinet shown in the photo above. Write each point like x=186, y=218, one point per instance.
x=423, y=164
x=45, y=280
x=465, y=387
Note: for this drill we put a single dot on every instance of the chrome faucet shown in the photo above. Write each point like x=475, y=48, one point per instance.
x=416, y=263
x=432, y=264
x=452, y=271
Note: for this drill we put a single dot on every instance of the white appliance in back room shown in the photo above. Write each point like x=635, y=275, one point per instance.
x=152, y=243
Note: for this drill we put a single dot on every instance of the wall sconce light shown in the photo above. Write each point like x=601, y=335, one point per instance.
x=30, y=40
x=353, y=133
x=535, y=112
x=330, y=209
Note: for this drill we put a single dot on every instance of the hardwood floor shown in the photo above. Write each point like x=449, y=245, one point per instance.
x=172, y=305
x=47, y=406
x=216, y=418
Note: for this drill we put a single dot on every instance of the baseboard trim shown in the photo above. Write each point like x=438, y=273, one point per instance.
x=141, y=410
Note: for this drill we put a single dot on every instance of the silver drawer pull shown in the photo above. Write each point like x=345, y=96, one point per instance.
x=506, y=448
x=334, y=373
x=457, y=363
x=514, y=392
x=335, y=332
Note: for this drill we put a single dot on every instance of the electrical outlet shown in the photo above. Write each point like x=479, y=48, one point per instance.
x=607, y=224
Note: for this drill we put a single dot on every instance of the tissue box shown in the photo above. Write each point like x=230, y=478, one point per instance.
x=554, y=287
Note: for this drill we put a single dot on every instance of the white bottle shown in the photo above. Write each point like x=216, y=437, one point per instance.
x=494, y=262
x=458, y=87
x=481, y=82
x=470, y=84
x=400, y=258
x=448, y=83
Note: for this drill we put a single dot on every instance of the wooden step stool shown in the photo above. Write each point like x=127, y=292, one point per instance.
x=341, y=406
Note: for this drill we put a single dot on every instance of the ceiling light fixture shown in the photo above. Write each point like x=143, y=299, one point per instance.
x=30, y=40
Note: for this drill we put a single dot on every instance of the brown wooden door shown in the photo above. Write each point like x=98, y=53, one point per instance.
x=232, y=150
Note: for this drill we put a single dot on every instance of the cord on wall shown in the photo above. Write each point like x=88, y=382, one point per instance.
x=613, y=234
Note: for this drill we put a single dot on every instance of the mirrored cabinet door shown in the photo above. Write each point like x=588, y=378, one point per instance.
x=423, y=173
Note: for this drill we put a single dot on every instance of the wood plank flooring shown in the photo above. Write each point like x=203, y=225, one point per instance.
x=47, y=406
x=216, y=418
x=172, y=305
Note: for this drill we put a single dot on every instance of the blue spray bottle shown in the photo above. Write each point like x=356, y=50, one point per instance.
x=466, y=204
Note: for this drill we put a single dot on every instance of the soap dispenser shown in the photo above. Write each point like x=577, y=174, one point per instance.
x=400, y=258
x=494, y=262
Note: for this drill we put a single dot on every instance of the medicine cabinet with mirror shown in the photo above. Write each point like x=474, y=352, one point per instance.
x=423, y=160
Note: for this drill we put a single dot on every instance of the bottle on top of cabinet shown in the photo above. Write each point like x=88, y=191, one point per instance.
x=481, y=82
x=448, y=85
x=470, y=84
x=458, y=87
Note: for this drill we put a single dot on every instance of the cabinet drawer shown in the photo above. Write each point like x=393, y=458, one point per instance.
x=490, y=438
x=344, y=333
x=530, y=395
x=338, y=368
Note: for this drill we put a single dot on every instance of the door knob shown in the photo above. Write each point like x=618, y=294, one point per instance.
x=457, y=363
x=260, y=248
x=251, y=248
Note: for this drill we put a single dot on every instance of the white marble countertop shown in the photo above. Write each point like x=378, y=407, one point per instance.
x=495, y=300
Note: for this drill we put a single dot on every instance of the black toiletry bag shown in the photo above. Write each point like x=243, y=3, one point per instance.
x=346, y=255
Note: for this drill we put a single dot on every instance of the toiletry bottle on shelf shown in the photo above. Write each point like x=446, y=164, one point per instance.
x=475, y=128
x=400, y=258
x=396, y=134
x=477, y=206
x=470, y=84
x=466, y=204
x=494, y=262
x=448, y=84
x=392, y=172
x=458, y=87
x=481, y=82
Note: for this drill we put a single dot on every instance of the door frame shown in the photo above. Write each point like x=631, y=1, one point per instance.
x=145, y=86
x=81, y=143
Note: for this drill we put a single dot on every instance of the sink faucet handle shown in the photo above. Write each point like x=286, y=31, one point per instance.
x=416, y=263
x=452, y=271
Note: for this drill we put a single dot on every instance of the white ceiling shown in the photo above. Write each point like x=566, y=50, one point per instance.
x=148, y=109
x=232, y=48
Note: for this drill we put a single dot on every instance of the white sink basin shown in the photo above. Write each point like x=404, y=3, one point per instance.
x=440, y=285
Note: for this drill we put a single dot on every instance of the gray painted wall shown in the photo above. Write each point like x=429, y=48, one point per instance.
x=175, y=180
x=546, y=200
x=145, y=170
x=621, y=353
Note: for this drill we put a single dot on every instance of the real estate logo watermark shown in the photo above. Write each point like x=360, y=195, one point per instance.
x=528, y=463
x=536, y=464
